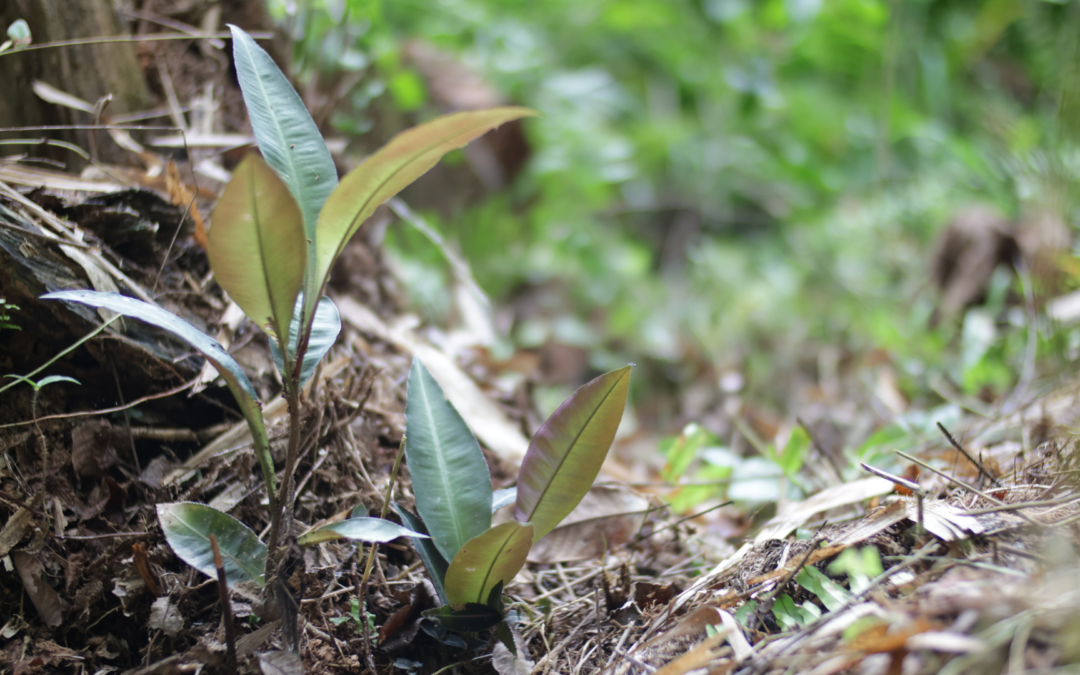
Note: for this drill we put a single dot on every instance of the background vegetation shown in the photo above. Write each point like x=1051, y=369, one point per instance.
x=731, y=189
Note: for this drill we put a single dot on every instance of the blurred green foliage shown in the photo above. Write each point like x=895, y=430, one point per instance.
x=724, y=184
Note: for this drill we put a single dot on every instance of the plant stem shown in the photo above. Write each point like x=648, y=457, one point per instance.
x=382, y=514
x=283, y=508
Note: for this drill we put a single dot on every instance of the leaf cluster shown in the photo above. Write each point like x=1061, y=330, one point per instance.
x=277, y=230
x=469, y=560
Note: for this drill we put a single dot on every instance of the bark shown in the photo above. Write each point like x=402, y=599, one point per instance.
x=89, y=72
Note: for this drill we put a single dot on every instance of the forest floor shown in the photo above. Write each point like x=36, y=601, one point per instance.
x=965, y=564
x=975, y=565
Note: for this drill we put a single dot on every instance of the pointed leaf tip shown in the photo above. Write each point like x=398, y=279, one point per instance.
x=567, y=452
x=450, y=475
x=407, y=156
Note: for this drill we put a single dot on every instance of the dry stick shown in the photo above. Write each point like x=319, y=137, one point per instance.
x=103, y=411
x=195, y=182
x=965, y=453
x=963, y=485
x=683, y=520
x=127, y=419
x=919, y=493
x=373, y=546
x=108, y=39
x=226, y=608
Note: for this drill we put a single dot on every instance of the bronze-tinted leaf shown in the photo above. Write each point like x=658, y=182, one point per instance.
x=257, y=246
x=487, y=560
x=405, y=158
x=566, y=453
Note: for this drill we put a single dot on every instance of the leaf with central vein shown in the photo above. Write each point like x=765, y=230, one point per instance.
x=405, y=158
x=288, y=137
x=487, y=560
x=449, y=474
x=565, y=455
x=226, y=365
x=188, y=526
x=257, y=246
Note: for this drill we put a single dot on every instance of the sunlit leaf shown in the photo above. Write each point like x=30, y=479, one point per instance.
x=565, y=455
x=226, y=365
x=257, y=246
x=449, y=474
x=325, y=328
x=188, y=526
x=487, y=560
x=468, y=618
x=433, y=560
x=371, y=530
x=405, y=158
x=288, y=138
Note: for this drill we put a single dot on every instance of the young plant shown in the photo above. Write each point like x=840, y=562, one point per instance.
x=278, y=228
x=470, y=561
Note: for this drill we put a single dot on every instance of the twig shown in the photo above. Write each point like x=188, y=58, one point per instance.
x=109, y=39
x=965, y=453
x=962, y=484
x=103, y=411
x=226, y=608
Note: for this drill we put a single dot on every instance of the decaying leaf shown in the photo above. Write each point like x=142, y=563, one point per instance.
x=46, y=600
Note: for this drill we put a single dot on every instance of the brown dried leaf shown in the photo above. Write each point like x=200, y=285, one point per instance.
x=180, y=195
x=92, y=449
x=46, y=600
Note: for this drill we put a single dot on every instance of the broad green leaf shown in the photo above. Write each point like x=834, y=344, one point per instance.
x=449, y=474
x=565, y=455
x=226, y=365
x=325, y=328
x=434, y=562
x=188, y=526
x=405, y=158
x=257, y=246
x=468, y=618
x=288, y=137
x=487, y=560
x=371, y=530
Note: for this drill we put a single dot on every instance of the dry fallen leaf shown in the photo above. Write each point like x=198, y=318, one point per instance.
x=45, y=599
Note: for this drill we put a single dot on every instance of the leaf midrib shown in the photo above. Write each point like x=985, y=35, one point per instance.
x=444, y=473
x=412, y=158
x=562, y=460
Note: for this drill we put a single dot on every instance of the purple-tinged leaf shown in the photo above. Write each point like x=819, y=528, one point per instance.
x=405, y=158
x=565, y=455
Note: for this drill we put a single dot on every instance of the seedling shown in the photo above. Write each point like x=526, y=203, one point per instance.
x=278, y=228
x=470, y=561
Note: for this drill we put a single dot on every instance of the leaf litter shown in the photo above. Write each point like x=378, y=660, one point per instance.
x=975, y=570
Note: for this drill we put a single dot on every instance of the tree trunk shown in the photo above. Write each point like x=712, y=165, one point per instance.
x=89, y=72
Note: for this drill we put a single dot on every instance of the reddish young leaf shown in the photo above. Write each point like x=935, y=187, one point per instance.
x=405, y=158
x=565, y=455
